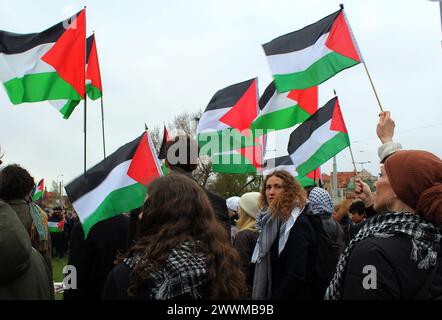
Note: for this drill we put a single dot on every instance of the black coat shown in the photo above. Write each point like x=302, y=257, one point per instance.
x=292, y=270
x=397, y=276
x=244, y=243
x=94, y=257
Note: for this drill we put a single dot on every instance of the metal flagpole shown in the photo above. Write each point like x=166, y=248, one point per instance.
x=85, y=104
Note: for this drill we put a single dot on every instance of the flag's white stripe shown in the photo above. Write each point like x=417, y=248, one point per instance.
x=28, y=62
x=58, y=104
x=298, y=61
x=116, y=179
x=289, y=168
x=277, y=102
x=209, y=121
x=53, y=224
x=154, y=156
x=316, y=140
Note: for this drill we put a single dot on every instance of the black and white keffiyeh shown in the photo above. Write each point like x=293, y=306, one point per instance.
x=183, y=272
x=425, y=238
x=320, y=202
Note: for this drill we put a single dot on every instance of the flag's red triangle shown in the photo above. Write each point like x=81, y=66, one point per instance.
x=253, y=154
x=340, y=39
x=144, y=168
x=315, y=174
x=242, y=114
x=307, y=99
x=68, y=54
x=93, y=67
x=338, y=123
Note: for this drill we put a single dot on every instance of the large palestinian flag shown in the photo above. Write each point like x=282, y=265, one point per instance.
x=318, y=139
x=39, y=189
x=308, y=57
x=94, y=88
x=116, y=185
x=224, y=129
x=46, y=66
x=284, y=110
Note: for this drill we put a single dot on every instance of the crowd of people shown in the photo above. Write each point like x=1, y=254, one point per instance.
x=280, y=242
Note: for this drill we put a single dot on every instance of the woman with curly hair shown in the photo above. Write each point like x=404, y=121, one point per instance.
x=286, y=247
x=182, y=251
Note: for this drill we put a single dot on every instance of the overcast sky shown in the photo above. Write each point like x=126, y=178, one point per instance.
x=159, y=59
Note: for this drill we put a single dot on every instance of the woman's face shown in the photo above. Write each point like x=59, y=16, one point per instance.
x=274, y=188
x=384, y=193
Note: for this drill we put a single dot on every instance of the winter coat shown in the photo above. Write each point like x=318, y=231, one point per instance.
x=94, y=256
x=391, y=270
x=292, y=269
x=244, y=243
x=23, y=272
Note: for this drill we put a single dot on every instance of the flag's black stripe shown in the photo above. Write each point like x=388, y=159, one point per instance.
x=267, y=95
x=279, y=161
x=94, y=176
x=300, y=39
x=302, y=133
x=228, y=97
x=13, y=43
x=89, y=43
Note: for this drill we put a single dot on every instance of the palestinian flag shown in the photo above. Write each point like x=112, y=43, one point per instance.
x=46, y=66
x=308, y=57
x=318, y=139
x=284, y=110
x=56, y=226
x=224, y=129
x=39, y=189
x=94, y=89
x=116, y=185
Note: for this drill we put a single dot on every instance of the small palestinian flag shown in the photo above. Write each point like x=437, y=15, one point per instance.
x=162, y=154
x=46, y=66
x=311, y=179
x=318, y=139
x=116, y=185
x=224, y=128
x=308, y=57
x=56, y=226
x=39, y=189
x=284, y=110
x=94, y=89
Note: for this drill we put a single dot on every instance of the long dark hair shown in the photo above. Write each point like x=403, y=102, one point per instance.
x=177, y=210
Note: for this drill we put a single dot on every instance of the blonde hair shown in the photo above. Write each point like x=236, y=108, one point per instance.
x=342, y=209
x=245, y=221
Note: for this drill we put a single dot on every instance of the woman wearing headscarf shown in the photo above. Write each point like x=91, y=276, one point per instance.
x=245, y=239
x=286, y=247
x=181, y=252
x=396, y=254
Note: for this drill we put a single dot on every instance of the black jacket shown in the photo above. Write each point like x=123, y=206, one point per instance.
x=292, y=270
x=244, y=243
x=396, y=276
x=94, y=257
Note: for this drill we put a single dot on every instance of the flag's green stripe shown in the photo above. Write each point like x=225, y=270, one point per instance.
x=318, y=72
x=224, y=140
x=39, y=87
x=37, y=196
x=281, y=119
x=165, y=169
x=54, y=229
x=232, y=163
x=69, y=108
x=117, y=202
x=305, y=181
x=324, y=153
x=93, y=92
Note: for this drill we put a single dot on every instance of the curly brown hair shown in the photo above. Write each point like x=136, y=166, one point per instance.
x=293, y=196
x=179, y=210
x=15, y=182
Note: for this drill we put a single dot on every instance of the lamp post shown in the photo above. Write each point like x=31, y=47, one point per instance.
x=60, y=193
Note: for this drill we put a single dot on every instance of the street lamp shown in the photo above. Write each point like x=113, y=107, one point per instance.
x=60, y=193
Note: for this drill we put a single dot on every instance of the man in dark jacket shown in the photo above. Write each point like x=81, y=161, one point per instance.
x=182, y=158
x=24, y=274
x=94, y=256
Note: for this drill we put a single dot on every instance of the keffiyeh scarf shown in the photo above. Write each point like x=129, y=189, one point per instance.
x=425, y=238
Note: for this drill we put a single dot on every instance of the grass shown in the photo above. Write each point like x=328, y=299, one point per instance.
x=57, y=272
